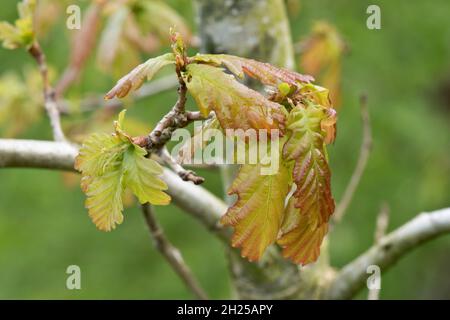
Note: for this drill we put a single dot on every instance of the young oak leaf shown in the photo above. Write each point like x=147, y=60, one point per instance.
x=315, y=93
x=264, y=72
x=236, y=106
x=21, y=34
x=134, y=79
x=257, y=214
x=312, y=176
x=104, y=199
x=298, y=237
x=141, y=176
x=110, y=164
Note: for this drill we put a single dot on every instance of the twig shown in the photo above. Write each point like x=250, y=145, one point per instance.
x=171, y=253
x=49, y=93
x=390, y=248
x=173, y=120
x=380, y=231
x=186, y=175
x=195, y=200
x=364, y=153
x=382, y=223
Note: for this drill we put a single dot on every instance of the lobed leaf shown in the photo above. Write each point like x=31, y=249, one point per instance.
x=104, y=199
x=236, y=106
x=110, y=164
x=134, y=79
x=21, y=34
x=257, y=214
x=299, y=238
x=141, y=176
x=306, y=146
x=264, y=72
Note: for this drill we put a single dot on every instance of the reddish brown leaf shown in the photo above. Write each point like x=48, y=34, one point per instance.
x=299, y=238
x=264, y=72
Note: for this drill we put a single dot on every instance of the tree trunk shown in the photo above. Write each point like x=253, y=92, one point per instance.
x=259, y=29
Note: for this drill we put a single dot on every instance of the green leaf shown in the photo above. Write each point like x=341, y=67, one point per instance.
x=141, y=176
x=110, y=164
x=236, y=106
x=20, y=34
x=104, y=199
x=134, y=79
x=315, y=93
x=257, y=214
x=306, y=146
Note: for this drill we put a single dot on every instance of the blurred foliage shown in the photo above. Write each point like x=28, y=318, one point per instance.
x=21, y=101
x=321, y=56
x=21, y=34
x=44, y=227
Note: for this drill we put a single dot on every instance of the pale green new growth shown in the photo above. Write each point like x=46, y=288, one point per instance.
x=20, y=34
x=111, y=163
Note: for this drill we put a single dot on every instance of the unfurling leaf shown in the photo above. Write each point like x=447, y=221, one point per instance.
x=299, y=239
x=264, y=72
x=236, y=106
x=111, y=163
x=257, y=214
x=20, y=34
x=306, y=146
x=134, y=79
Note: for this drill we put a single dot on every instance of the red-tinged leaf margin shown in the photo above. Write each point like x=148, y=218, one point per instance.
x=266, y=73
x=311, y=174
x=258, y=212
x=299, y=238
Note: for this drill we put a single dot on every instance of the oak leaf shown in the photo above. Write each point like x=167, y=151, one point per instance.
x=134, y=79
x=312, y=176
x=266, y=73
x=236, y=106
x=299, y=238
x=257, y=214
x=110, y=164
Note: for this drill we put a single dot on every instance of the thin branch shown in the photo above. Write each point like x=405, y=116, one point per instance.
x=390, y=248
x=171, y=253
x=186, y=175
x=382, y=223
x=195, y=200
x=49, y=93
x=364, y=153
x=173, y=120
x=380, y=232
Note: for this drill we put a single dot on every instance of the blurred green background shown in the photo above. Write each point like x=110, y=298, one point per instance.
x=405, y=70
